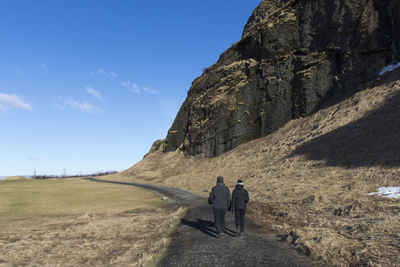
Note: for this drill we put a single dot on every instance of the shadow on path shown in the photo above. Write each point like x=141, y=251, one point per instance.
x=202, y=225
x=206, y=227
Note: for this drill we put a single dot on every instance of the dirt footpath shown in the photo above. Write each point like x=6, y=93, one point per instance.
x=194, y=242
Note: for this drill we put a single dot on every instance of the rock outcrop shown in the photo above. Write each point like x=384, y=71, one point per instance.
x=293, y=55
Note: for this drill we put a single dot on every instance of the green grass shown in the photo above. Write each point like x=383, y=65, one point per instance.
x=35, y=198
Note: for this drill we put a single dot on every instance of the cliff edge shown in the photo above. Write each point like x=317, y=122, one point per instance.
x=293, y=56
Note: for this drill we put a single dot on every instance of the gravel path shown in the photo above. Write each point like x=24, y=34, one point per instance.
x=194, y=243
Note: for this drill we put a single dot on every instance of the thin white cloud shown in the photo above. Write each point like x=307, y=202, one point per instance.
x=133, y=87
x=44, y=67
x=70, y=102
x=99, y=71
x=102, y=71
x=33, y=158
x=94, y=93
x=149, y=90
x=125, y=84
x=2, y=109
x=7, y=101
x=89, y=108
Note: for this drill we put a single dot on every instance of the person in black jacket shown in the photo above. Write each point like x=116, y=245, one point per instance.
x=240, y=197
x=220, y=200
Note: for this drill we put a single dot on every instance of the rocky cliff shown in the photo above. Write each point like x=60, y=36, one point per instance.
x=293, y=55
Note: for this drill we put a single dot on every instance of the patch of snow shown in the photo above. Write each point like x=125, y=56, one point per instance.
x=389, y=68
x=390, y=191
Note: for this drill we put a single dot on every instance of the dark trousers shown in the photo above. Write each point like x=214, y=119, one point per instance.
x=219, y=220
x=239, y=219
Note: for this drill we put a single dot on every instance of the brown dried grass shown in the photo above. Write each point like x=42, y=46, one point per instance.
x=127, y=238
x=125, y=232
x=308, y=181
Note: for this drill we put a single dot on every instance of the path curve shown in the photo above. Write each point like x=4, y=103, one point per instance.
x=194, y=243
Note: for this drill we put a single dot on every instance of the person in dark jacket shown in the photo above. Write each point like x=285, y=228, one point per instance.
x=240, y=197
x=220, y=200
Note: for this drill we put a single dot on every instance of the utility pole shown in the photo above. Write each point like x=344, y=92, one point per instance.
x=65, y=173
x=34, y=173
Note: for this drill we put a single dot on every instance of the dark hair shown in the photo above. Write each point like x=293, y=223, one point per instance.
x=239, y=181
x=220, y=179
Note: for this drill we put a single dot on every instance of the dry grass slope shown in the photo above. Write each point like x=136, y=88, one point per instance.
x=308, y=181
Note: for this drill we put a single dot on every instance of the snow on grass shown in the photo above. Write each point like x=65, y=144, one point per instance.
x=391, y=192
x=389, y=68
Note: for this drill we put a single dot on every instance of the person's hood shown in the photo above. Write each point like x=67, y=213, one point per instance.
x=239, y=186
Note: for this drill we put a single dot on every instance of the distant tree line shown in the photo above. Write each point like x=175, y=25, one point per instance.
x=72, y=176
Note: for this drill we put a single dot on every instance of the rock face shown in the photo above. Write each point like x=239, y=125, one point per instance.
x=292, y=56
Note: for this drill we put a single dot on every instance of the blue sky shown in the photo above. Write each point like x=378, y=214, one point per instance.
x=90, y=85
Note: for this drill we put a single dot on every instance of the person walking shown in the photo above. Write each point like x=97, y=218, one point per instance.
x=220, y=200
x=240, y=197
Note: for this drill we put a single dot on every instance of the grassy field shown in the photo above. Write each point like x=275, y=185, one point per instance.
x=72, y=222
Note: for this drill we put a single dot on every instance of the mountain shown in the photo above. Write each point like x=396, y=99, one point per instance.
x=293, y=56
x=309, y=181
x=303, y=111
